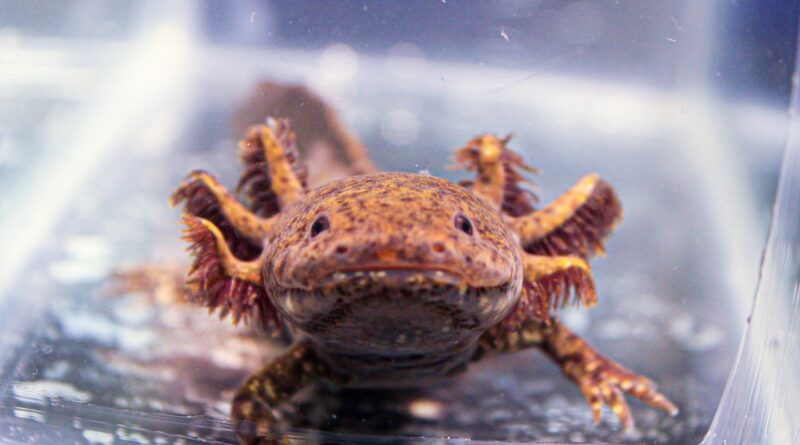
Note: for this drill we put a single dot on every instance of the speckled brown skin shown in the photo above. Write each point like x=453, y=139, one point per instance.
x=400, y=279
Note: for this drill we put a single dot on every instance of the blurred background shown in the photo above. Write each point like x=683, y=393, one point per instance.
x=104, y=106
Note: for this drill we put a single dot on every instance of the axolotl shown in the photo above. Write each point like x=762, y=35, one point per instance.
x=398, y=279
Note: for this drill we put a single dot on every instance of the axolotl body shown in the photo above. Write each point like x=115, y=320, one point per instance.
x=397, y=279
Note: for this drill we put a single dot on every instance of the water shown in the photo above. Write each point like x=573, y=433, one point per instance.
x=110, y=132
x=124, y=367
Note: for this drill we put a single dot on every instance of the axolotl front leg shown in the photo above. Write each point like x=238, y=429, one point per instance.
x=253, y=406
x=600, y=379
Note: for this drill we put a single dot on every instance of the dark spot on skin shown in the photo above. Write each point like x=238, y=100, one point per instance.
x=438, y=247
x=341, y=249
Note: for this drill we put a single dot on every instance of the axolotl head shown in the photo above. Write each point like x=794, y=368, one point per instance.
x=392, y=263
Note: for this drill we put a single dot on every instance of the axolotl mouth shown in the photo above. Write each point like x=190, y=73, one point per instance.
x=396, y=309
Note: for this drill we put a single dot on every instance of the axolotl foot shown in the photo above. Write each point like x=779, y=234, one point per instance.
x=600, y=379
x=603, y=381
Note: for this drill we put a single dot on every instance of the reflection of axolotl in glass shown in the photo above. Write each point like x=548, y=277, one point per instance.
x=399, y=279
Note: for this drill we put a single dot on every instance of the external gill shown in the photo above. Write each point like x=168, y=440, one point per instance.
x=206, y=198
x=577, y=223
x=272, y=175
x=551, y=283
x=500, y=179
x=220, y=281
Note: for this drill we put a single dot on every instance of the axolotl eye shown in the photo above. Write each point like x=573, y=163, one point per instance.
x=463, y=224
x=319, y=225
